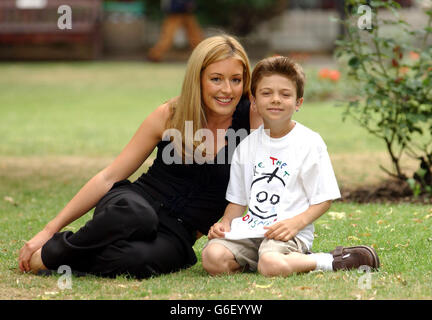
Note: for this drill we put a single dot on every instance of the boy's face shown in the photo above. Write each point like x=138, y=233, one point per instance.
x=276, y=99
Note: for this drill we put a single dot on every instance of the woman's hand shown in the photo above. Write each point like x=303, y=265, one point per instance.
x=30, y=247
x=218, y=230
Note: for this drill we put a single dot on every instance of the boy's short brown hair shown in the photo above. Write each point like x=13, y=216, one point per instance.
x=279, y=65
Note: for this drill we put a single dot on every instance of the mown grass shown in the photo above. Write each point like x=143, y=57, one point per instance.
x=400, y=234
x=94, y=108
x=61, y=123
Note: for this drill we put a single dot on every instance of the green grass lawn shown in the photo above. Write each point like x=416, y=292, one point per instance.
x=94, y=108
x=61, y=123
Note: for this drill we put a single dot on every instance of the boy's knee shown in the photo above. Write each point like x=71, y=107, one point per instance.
x=217, y=259
x=211, y=258
x=273, y=264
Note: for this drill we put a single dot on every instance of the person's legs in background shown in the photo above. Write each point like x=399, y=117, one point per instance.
x=193, y=30
x=169, y=27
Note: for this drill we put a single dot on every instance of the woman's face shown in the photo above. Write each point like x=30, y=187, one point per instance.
x=222, y=86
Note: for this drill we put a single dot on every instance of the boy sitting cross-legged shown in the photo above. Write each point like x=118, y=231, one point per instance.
x=282, y=174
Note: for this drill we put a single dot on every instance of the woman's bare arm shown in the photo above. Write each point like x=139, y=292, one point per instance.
x=125, y=164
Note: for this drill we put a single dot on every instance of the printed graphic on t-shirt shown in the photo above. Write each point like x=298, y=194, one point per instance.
x=267, y=189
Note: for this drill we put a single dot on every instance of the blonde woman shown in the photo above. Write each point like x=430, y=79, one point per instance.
x=148, y=227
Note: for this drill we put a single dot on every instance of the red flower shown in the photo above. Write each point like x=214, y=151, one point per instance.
x=414, y=55
x=324, y=73
x=398, y=52
x=330, y=74
x=334, y=75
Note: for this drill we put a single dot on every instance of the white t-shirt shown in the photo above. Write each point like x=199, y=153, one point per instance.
x=279, y=178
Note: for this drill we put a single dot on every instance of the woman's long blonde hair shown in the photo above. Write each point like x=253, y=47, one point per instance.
x=189, y=106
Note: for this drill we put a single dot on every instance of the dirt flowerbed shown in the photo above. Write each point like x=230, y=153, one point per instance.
x=390, y=191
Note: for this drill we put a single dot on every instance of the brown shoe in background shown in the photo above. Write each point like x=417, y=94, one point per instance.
x=153, y=58
x=346, y=258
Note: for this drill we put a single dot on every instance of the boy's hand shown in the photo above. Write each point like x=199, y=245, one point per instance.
x=218, y=230
x=287, y=229
x=284, y=230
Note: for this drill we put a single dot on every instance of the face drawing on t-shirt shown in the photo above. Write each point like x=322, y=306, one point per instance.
x=265, y=195
x=266, y=191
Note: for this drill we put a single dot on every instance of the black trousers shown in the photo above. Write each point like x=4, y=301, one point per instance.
x=130, y=233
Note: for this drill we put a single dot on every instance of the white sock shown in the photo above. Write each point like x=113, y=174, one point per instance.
x=323, y=260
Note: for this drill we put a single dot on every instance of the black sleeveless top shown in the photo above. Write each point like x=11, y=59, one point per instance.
x=195, y=193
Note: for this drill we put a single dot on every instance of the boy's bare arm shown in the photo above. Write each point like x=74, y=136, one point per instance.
x=288, y=229
x=224, y=225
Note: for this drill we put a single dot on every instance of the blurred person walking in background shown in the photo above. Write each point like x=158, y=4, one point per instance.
x=179, y=13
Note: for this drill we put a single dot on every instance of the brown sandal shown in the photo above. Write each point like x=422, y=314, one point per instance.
x=346, y=258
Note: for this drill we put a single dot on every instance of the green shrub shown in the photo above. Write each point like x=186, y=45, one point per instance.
x=393, y=75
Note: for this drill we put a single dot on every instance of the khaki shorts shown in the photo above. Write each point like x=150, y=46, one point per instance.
x=247, y=251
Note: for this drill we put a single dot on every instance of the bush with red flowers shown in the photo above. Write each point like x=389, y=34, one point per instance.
x=394, y=84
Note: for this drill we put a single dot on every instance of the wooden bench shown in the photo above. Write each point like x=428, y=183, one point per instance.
x=33, y=33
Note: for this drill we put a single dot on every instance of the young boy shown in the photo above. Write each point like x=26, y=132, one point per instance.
x=283, y=175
